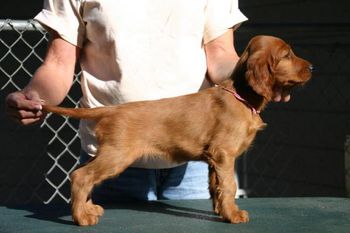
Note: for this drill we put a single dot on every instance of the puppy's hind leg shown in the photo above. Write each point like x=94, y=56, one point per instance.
x=108, y=163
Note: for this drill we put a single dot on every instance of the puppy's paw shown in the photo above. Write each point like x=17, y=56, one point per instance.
x=88, y=216
x=85, y=220
x=240, y=216
x=95, y=210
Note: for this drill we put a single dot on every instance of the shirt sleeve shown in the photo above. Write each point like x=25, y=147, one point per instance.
x=63, y=16
x=220, y=16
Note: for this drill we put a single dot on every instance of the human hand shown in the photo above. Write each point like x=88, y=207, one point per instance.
x=281, y=95
x=24, y=107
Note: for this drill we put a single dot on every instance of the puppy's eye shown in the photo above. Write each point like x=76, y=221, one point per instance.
x=288, y=55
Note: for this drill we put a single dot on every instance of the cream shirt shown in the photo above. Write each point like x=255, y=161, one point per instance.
x=138, y=49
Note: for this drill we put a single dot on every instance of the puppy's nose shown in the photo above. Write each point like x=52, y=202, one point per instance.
x=311, y=68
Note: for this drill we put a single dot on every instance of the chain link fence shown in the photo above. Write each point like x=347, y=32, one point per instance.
x=300, y=153
x=22, y=46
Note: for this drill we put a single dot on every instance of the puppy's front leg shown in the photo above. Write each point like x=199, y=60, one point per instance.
x=224, y=190
x=213, y=188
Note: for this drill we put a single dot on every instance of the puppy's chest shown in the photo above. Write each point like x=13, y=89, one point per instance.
x=255, y=125
x=242, y=133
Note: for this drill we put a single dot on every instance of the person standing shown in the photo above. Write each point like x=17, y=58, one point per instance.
x=130, y=51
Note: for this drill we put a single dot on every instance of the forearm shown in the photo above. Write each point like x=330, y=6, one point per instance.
x=221, y=58
x=54, y=77
x=222, y=68
x=219, y=73
x=51, y=83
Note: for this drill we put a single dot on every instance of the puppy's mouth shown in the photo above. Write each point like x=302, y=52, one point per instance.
x=292, y=83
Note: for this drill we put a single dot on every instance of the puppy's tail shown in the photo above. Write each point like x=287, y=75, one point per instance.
x=79, y=113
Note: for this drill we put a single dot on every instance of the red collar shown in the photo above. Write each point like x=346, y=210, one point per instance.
x=235, y=94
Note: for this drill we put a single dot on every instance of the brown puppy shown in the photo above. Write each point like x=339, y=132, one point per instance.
x=215, y=125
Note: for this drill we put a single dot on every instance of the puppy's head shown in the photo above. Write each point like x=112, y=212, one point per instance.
x=271, y=66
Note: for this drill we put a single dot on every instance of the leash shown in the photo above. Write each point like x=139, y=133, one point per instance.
x=238, y=97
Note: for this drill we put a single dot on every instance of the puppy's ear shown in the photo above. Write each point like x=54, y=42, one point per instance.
x=259, y=74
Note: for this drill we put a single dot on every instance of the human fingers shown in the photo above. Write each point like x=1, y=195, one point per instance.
x=277, y=94
x=23, y=110
x=27, y=121
x=19, y=101
x=34, y=96
x=286, y=96
x=24, y=114
x=281, y=95
x=23, y=117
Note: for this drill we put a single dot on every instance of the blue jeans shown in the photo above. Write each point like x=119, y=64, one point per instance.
x=187, y=181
